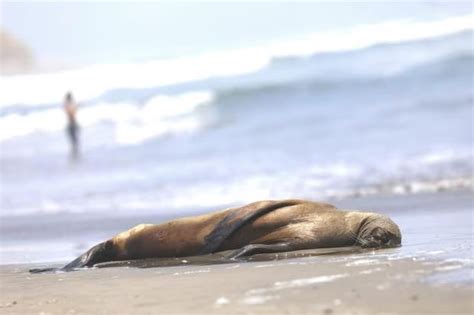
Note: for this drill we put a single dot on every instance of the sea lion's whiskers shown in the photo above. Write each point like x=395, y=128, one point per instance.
x=358, y=239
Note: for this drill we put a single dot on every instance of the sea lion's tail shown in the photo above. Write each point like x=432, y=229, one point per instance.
x=238, y=217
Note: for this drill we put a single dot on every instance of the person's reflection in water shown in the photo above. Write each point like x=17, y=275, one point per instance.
x=72, y=129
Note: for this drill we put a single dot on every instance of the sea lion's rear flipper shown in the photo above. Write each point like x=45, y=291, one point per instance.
x=237, y=218
x=99, y=253
x=253, y=249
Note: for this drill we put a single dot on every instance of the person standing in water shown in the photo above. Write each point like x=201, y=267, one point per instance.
x=72, y=129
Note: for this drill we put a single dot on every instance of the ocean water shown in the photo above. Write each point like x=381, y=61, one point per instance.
x=373, y=108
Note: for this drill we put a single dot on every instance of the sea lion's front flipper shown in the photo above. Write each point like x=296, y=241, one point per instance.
x=253, y=249
x=237, y=218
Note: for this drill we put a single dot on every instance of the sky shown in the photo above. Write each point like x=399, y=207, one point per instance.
x=80, y=33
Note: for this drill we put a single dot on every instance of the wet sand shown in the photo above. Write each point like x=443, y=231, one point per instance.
x=431, y=273
x=310, y=285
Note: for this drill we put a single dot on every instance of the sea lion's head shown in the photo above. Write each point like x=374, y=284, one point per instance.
x=378, y=231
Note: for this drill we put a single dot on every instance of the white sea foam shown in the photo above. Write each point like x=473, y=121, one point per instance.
x=370, y=271
x=258, y=299
x=337, y=169
x=296, y=283
x=364, y=262
x=266, y=266
x=363, y=36
x=15, y=125
x=449, y=268
x=438, y=157
x=221, y=301
x=190, y=272
x=155, y=118
x=160, y=115
x=209, y=194
x=279, y=285
x=91, y=82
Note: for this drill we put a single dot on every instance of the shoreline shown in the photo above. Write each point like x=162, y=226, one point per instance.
x=29, y=239
x=431, y=273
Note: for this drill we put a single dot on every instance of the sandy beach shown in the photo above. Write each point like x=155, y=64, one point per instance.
x=339, y=285
x=430, y=274
x=119, y=114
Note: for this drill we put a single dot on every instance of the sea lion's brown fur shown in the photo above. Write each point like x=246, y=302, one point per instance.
x=265, y=226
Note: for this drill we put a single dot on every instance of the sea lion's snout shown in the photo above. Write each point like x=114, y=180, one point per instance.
x=380, y=238
x=380, y=232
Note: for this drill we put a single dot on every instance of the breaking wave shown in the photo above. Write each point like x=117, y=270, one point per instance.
x=91, y=82
x=134, y=123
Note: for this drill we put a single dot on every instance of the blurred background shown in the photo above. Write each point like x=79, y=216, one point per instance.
x=185, y=107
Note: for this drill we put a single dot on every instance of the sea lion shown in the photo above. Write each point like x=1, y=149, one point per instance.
x=260, y=227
